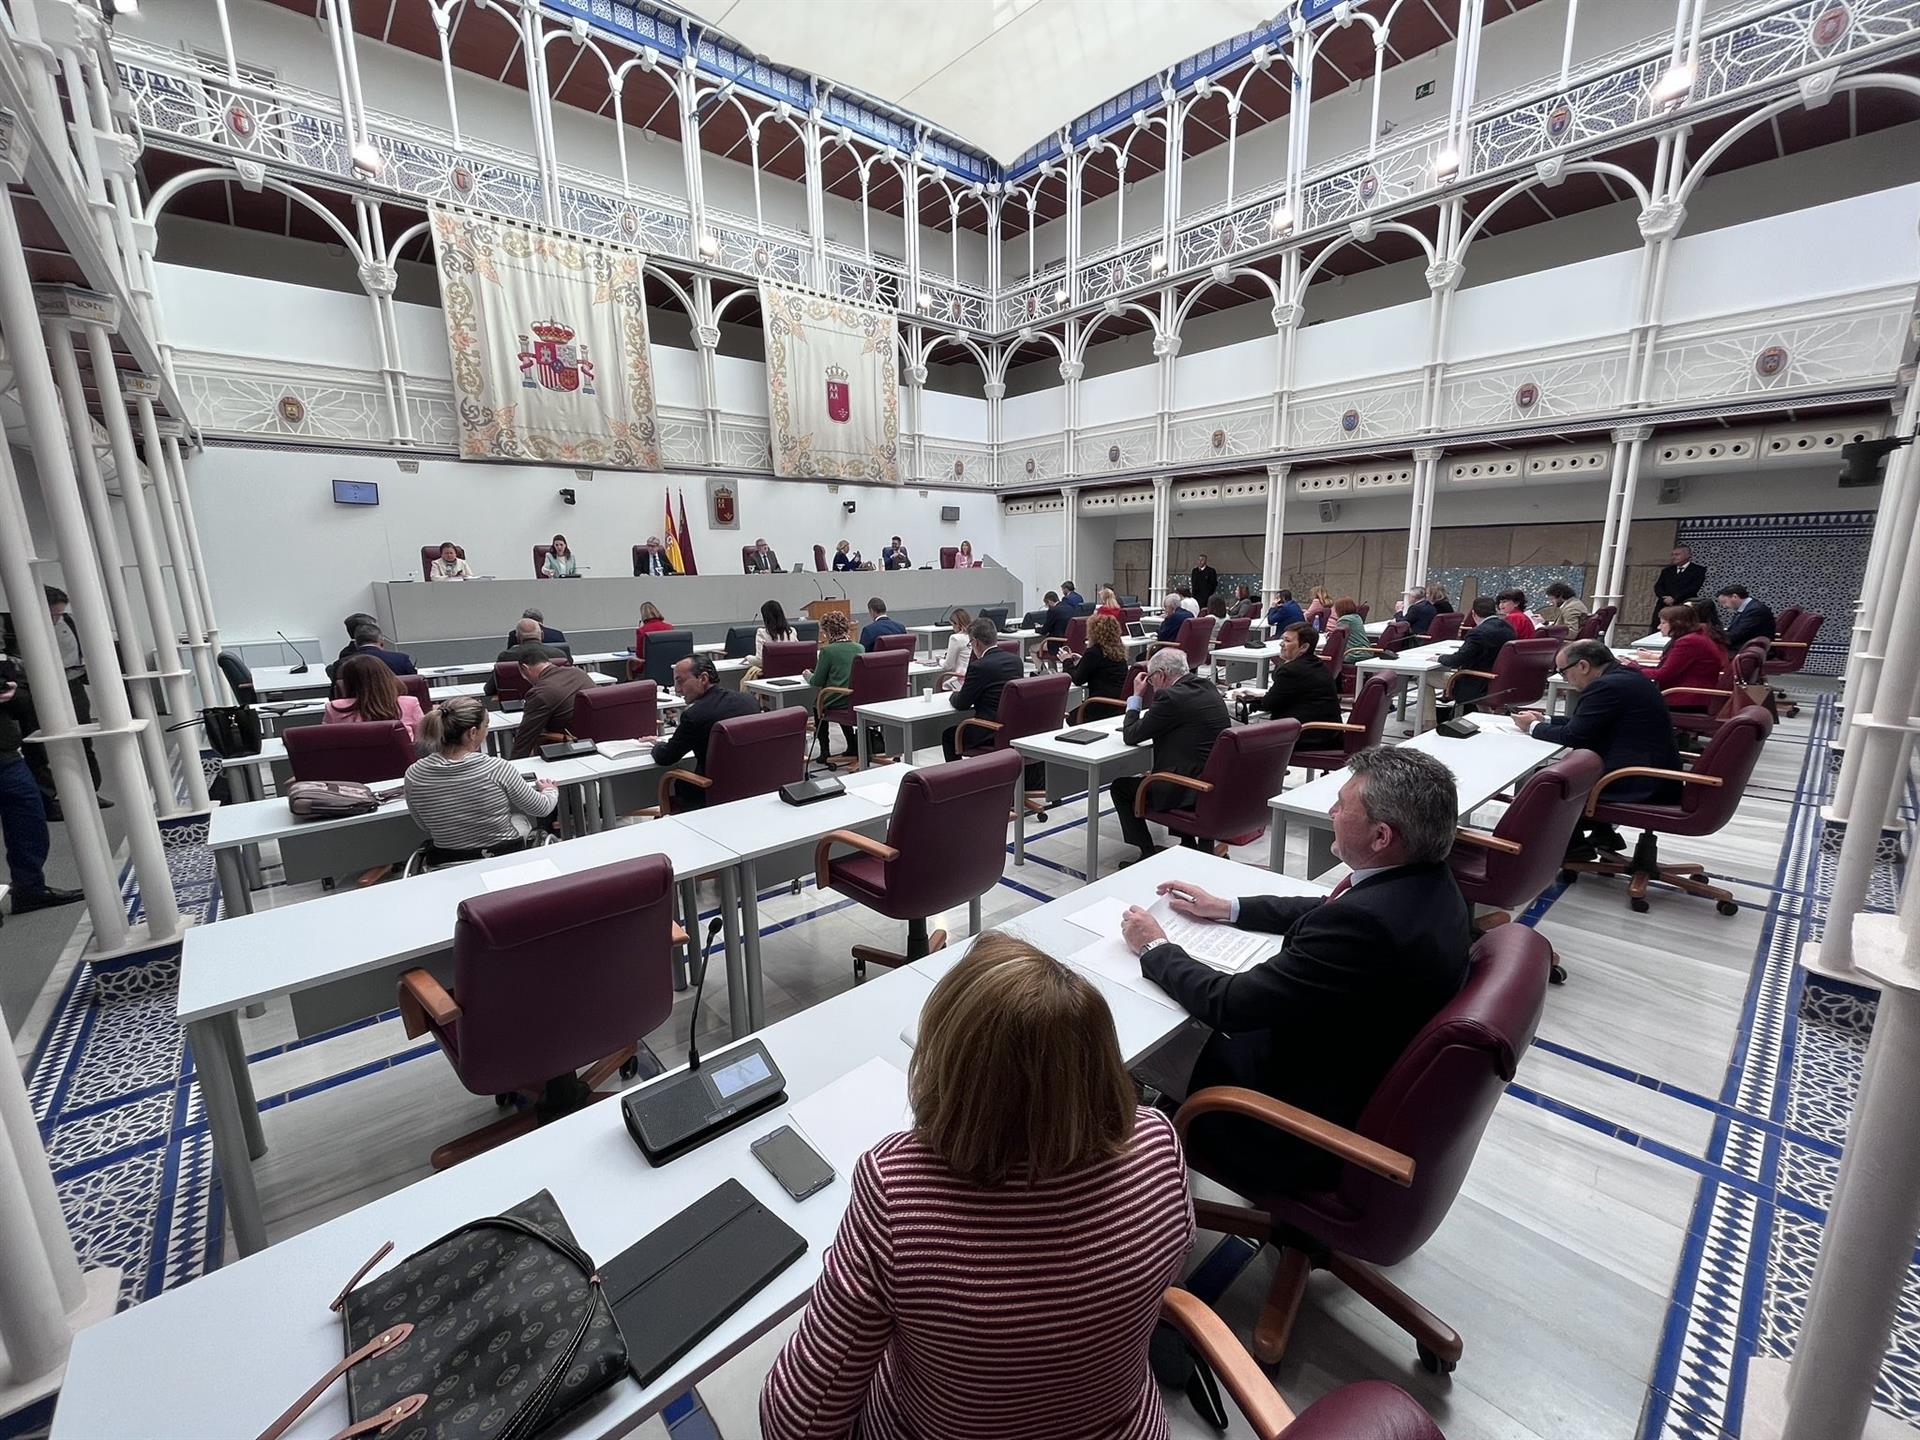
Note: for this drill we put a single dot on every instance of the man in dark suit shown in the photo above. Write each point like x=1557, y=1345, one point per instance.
x=353, y=622
x=1746, y=618
x=878, y=623
x=1302, y=687
x=1172, y=617
x=652, y=559
x=894, y=557
x=1417, y=610
x=1071, y=597
x=367, y=640
x=697, y=681
x=544, y=634
x=1678, y=583
x=1182, y=715
x=526, y=633
x=551, y=686
x=1204, y=581
x=1477, y=651
x=23, y=813
x=761, y=560
x=987, y=675
x=1286, y=611
x=66, y=638
x=1357, y=976
x=1622, y=717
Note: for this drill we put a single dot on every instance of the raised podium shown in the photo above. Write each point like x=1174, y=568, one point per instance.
x=836, y=606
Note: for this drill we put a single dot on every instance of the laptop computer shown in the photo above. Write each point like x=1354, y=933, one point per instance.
x=1139, y=629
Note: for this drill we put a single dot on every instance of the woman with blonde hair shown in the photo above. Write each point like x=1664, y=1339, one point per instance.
x=1109, y=603
x=1320, y=608
x=1000, y=1266
x=953, y=665
x=364, y=689
x=471, y=803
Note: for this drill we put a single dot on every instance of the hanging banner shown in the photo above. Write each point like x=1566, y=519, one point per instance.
x=833, y=387
x=548, y=335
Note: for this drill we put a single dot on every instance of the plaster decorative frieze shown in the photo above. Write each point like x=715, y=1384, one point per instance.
x=1166, y=346
x=1285, y=316
x=1444, y=275
x=708, y=338
x=915, y=374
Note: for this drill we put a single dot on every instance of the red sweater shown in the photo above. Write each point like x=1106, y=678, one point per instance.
x=1693, y=660
x=950, y=1312
x=1522, y=624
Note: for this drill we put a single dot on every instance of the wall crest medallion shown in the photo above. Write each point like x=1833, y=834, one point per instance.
x=1350, y=422
x=1831, y=25
x=460, y=179
x=959, y=468
x=1032, y=465
x=292, y=410
x=1559, y=121
x=240, y=121
x=629, y=225
x=1526, y=397
x=1219, y=440
x=1113, y=454
x=1770, y=362
x=1369, y=186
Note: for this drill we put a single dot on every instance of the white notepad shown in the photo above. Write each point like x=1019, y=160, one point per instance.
x=1109, y=962
x=854, y=1113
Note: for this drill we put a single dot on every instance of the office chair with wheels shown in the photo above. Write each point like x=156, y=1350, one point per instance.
x=1333, y=652
x=1506, y=868
x=1595, y=625
x=995, y=613
x=1100, y=707
x=1788, y=654
x=362, y=750
x=1396, y=637
x=239, y=678
x=1035, y=705
x=1711, y=707
x=1247, y=764
x=547, y=978
x=416, y=686
x=430, y=856
x=665, y=649
x=617, y=712
x=508, y=682
x=946, y=843
x=540, y=553
x=1329, y=745
x=1194, y=638
x=948, y=554
x=819, y=557
x=877, y=676
x=906, y=641
x=1405, y=1158
x=1519, y=675
x=1709, y=794
x=1784, y=622
x=747, y=755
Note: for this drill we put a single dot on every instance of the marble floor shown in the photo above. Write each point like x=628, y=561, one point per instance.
x=1572, y=1262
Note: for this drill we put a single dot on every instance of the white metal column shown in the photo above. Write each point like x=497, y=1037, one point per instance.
x=170, y=491
x=1272, y=569
x=1158, y=580
x=1070, y=537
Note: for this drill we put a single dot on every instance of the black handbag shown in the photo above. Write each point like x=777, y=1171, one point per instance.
x=498, y=1329
x=232, y=730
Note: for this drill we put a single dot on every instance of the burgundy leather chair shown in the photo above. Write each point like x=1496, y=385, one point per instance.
x=1231, y=632
x=907, y=641
x=573, y=971
x=1195, y=638
x=1329, y=745
x=948, y=554
x=1709, y=709
x=617, y=712
x=1595, y=625
x=1364, y=609
x=788, y=657
x=540, y=553
x=1710, y=792
x=431, y=553
x=1784, y=622
x=1444, y=627
x=1396, y=637
x=1130, y=613
x=1552, y=632
x=1365, y=1410
x=1035, y=705
x=1507, y=868
x=363, y=750
x=1405, y=1158
x=1074, y=642
x=1788, y=654
x=878, y=675
x=1333, y=651
x=946, y=843
x=417, y=687
x=1247, y=765
x=508, y=683
x=1094, y=707
x=819, y=557
x=640, y=563
x=746, y=756
x=1519, y=674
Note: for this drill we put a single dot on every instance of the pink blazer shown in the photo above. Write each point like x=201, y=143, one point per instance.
x=342, y=711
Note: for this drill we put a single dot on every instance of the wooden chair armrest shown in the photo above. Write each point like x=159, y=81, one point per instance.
x=554, y=737
x=1446, y=690
x=865, y=844
x=1214, y=1341
x=1786, y=645
x=1107, y=702
x=1695, y=690
x=820, y=698
x=1336, y=1140
x=1185, y=782
x=960, y=730
x=1485, y=841
x=424, y=999
x=1336, y=725
x=1651, y=772
x=664, y=801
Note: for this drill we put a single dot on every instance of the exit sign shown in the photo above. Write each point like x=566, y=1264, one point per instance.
x=1423, y=89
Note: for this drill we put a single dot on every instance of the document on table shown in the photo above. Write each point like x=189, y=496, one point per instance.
x=885, y=791
x=620, y=749
x=1110, y=962
x=510, y=876
x=1221, y=946
x=854, y=1113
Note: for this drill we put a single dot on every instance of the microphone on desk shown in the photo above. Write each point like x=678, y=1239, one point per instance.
x=301, y=668
x=699, y=983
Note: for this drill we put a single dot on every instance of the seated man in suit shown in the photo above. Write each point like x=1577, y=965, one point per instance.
x=1746, y=618
x=1172, y=617
x=1478, y=649
x=1359, y=972
x=367, y=640
x=1623, y=718
x=697, y=681
x=878, y=623
x=762, y=560
x=1285, y=611
x=653, y=560
x=1417, y=610
x=544, y=634
x=988, y=671
x=353, y=622
x=526, y=633
x=1071, y=598
x=551, y=686
x=1053, y=628
x=1182, y=715
x=894, y=556
x=1302, y=687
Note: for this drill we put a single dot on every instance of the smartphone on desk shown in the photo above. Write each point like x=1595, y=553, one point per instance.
x=794, y=1163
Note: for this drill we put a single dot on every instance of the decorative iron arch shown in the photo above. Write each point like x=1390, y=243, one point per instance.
x=1112, y=312
x=1180, y=313
x=1698, y=170
x=186, y=180
x=1520, y=187
x=1307, y=274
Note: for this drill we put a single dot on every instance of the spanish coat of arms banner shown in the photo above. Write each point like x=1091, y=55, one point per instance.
x=548, y=335
x=833, y=387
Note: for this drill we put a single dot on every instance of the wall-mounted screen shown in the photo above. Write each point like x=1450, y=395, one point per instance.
x=356, y=492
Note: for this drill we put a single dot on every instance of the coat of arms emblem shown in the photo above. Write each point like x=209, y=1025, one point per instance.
x=839, y=396
x=723, y=505
x=554, y=362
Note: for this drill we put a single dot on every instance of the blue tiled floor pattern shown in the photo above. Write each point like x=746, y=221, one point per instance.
x=134, y=1166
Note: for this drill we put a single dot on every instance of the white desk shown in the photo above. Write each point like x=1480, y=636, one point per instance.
x=1419, y=666
x=1655, y=641
x=1258, y=656
x=1377, y=628
x=1482, y=767
x=1094, y=764
x=918, y=720
x=340, y=961
x=935, y=635
x=773, y=841
x=794, y=689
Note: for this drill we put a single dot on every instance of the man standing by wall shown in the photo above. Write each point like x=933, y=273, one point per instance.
x=1204, y=580
x=67, y=635
x=23, y=816
x=1678, y=583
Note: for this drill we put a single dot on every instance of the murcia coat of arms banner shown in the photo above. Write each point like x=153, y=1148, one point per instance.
x=833, y=386
x=548, y=335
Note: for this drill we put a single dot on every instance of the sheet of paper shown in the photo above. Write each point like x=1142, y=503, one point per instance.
x=1101, y=917
x=1109, y=963
x=620, y=749
x=884, y=792
x=510, y=876
x=1220, y=946
x=854, y=1113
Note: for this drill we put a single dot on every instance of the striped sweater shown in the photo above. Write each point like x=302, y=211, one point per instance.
x=472, y=802
x=950, y=1312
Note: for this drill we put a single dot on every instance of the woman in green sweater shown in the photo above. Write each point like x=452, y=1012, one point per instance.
x=1346, y=615
x=835, y=667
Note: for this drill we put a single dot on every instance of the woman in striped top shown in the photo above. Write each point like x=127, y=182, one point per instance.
x=464, y=798
x=1000, y=1266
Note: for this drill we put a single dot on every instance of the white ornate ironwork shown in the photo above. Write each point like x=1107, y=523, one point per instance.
x=235, y=395
x=1037, y=458
x=1579, y=380
x=1113, y=447
x=744, y=444
x=1114, y=272
x=949, y=462
x=1218, y=432
x=1347, y=414
x=683, y=436
x=1815, y=345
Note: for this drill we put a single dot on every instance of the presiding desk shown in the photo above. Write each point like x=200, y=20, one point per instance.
x=455, y=619
x=157, y=1368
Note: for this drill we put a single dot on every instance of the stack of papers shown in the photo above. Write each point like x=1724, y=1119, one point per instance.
x=1221, y=946
x=883, y=792
x=620, y=749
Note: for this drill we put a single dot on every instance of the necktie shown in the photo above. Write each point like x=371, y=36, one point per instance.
x=1346, y=881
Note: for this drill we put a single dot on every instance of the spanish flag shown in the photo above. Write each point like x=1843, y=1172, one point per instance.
x=671, y=539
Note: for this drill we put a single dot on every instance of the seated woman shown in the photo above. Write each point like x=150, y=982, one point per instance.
x=1301, y=688
x=471, y=803
x=559, y=564
x=1109, y=603
x=1102, y=671
x=1692, y=660
x=1346, y=615
x=1000, y=1265
x=953, y=665
x=835, y=667
x=364, y=689
x=843, y=558
x=964, y=560
x=774, y=629
x=449, y=566
x=1320, y=608
x=651, y=619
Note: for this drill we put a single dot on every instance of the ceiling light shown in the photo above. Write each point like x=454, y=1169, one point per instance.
x=1674, y=86
x=1446, y=164
x=1158, y=264
x=709, y=247
x=1281, y=221
x=366, y=159
x=1060, y=296
x=923, y=300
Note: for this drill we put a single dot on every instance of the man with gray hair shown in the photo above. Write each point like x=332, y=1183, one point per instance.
x=1181, y=714
x=543, y=633
x=1359, y=972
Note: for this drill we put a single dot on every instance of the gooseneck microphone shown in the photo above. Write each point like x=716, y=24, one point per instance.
x=301, y=668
